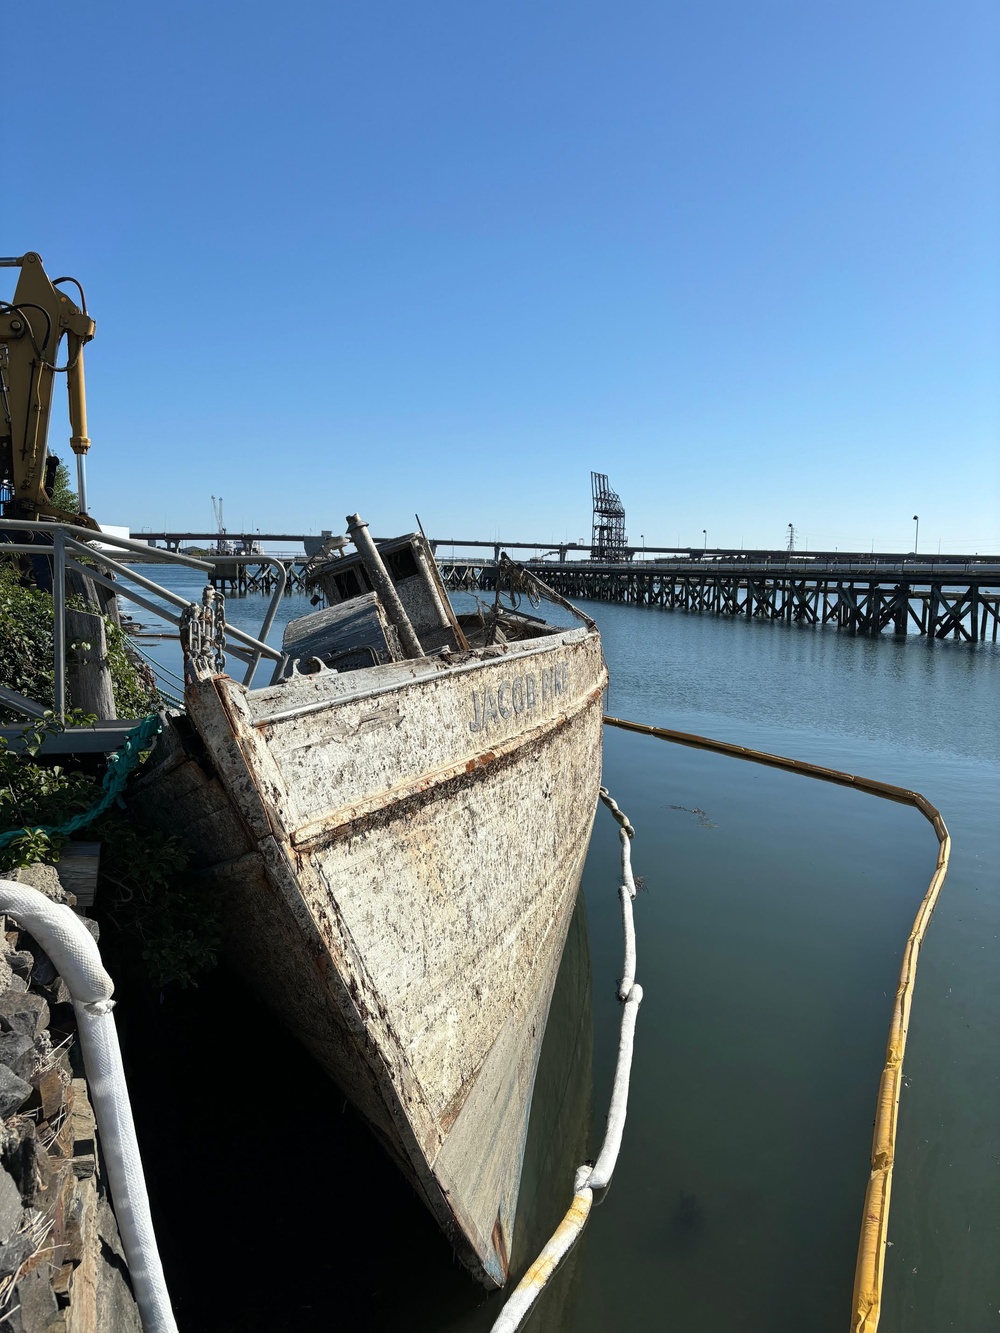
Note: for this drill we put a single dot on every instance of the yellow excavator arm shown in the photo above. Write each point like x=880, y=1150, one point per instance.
x=32, y=329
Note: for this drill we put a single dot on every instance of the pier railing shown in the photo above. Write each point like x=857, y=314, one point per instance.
x=949, y=599
x=64, y=545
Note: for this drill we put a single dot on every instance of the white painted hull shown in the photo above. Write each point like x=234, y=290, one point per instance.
x=401, y=849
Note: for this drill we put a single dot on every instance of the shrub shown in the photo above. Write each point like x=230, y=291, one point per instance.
x=25, y=638
x=26, y=651
x=144, y=892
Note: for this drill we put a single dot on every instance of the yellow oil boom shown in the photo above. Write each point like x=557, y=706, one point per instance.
x=32, y=329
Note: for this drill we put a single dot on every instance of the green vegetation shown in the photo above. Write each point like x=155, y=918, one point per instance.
x=63, y=495
x=133, y=682
x=152, y=902
x=26, y=627
x=160, y=916
x=34, y=794
x=25, y=639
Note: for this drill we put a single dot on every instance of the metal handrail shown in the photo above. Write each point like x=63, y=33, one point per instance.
x=105, y=538
x=62, y=539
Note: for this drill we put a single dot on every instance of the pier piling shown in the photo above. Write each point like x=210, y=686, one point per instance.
x=956, y=599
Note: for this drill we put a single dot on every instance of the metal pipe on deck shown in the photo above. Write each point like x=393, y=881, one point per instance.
x=383, y=584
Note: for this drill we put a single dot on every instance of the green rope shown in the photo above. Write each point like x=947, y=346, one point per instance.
x=120, y=765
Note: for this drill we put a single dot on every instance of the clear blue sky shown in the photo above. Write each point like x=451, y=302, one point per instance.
x=447, y=256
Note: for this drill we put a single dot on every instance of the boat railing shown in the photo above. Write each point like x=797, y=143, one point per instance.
x=514, y=578
x=66, y=544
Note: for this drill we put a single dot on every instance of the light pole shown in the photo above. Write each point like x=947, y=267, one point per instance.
x=916, y=532
x=704, y=541
x=643, y=540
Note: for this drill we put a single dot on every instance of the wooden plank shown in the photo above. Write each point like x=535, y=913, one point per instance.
x=88, y=672
x=78, y=865
x=359, y=625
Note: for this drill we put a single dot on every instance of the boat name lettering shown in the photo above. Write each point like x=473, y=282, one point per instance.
x=517, y=694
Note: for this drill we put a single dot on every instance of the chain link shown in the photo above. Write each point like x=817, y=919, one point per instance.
x=203, y=635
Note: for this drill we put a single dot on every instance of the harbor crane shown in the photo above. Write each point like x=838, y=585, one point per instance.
x=608, y=537
x=221, y=545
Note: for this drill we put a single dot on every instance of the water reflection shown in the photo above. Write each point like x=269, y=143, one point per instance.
x=274, y=1206
x=558, y=1142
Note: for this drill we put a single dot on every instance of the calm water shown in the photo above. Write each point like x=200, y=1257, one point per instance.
x=770, y=950
x=770, y=933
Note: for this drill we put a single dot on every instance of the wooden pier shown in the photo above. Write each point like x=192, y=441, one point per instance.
x=240, y=566
x=954, y=598
x=249, y=576
x=949, y=596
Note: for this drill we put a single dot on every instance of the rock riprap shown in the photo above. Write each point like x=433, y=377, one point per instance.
x=62, y=1269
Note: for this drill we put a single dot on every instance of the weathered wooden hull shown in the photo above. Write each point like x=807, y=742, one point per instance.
x=400, y=850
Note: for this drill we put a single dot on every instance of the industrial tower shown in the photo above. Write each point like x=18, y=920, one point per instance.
x=608, y=537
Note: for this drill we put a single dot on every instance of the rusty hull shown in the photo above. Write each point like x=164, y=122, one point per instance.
x=400, y=849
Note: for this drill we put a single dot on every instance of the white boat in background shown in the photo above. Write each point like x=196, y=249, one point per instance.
x=398, y=828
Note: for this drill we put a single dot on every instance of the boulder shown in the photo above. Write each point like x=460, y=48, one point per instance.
x=14, y=1092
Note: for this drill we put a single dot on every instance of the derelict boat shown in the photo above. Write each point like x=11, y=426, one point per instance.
x=398, y=829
